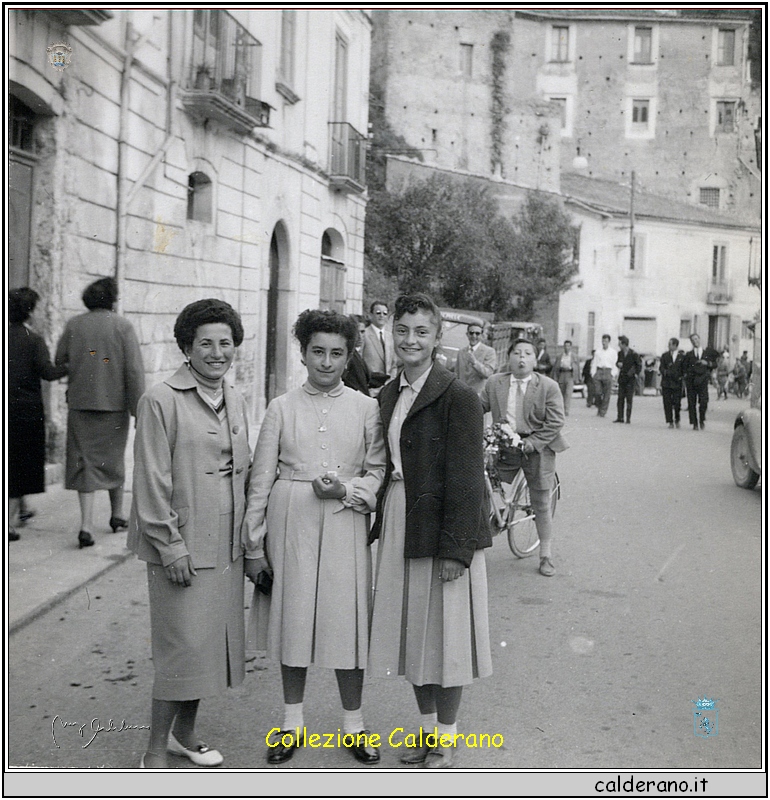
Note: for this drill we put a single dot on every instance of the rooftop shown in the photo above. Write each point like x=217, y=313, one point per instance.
x=612, y=198
x=660, y=15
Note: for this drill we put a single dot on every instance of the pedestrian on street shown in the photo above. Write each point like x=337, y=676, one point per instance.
x=740, y=377
x=191, y=463
x=105, y=381
x=544, y=365
x=429, y=617
x=28, y=364
x=723, y=373
x=476, y=362
x=567, y=373
x=629, y=366
x=696, y=368
x=671, y=363
x=588, y=381
x=377, y=349
x=532, y=405
x=318, y=465
x=603, y=370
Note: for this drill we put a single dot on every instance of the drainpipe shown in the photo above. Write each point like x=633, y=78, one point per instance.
x=126, y=195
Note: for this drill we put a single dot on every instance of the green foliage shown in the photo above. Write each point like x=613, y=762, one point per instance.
x=446, y=236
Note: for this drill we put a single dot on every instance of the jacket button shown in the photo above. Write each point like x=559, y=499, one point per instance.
x=235, y=429
x=239, y=471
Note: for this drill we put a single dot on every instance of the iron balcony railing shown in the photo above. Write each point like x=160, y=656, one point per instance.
x=224, y=77
x=347, y=162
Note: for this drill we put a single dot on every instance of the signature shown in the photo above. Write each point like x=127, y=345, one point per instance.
x=92, y=729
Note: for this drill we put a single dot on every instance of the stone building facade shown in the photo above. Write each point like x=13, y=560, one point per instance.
x=191, y=154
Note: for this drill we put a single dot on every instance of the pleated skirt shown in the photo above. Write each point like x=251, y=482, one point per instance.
x=96, y=446
x=429, y=631
x=320, y=600
x=198, y=646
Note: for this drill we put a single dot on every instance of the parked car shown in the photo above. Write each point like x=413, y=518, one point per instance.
x=746, y=447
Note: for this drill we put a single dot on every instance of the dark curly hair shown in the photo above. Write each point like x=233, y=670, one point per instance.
x=21, y=304
x=206, y=312
x=412, y=303
x=319, y=320
x=101, y=294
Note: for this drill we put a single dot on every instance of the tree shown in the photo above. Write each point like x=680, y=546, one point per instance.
x=446, y=236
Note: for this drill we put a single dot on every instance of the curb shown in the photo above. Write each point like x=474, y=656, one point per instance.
x=52, y=602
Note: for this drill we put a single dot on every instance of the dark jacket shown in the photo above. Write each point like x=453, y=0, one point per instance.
x=587, y=371
x=629, y=366
x=356, y=374
x=698, y=371
x=442, y=455
x=671, y=370
x=544, y=365
x=28, y=362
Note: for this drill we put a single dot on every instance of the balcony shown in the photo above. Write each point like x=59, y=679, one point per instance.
x=224, y=75
x=347, y=160
x=81, y=16
x=719, y=294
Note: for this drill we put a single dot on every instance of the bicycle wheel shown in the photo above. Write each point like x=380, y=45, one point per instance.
x=522, y=532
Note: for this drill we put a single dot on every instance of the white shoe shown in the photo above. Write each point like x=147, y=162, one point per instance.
x=203, y=755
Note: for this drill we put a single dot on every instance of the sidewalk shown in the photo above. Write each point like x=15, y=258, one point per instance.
x=45, y=566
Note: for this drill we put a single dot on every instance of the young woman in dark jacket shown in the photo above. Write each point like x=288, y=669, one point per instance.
x=429, y=617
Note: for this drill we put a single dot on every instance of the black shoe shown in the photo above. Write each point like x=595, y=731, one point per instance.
x=677, y=423
x=628, y=422
x=702, y=424
x=362, y=751
x=85, y=539
x=26, y=514
x=12, y=535
x=281, y=753
x=695, y=426
x=116, y=523
x=670, y=424
x=617, y=420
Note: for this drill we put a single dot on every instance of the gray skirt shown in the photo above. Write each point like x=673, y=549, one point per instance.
x=96, y=446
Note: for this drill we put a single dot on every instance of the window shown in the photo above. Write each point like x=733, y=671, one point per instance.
x=685, y=329
x=560, y=43
x=709, y=196
x=466, y=60
x=22, y=119
x=636, y=262
x=642, y=45
x=718, y=263
x=199, y=197
x=640, y=112
x=726, y=47
x=332, y=293
x=562, y=103
x=725, y=121
x=286, y=67
x=340, y=110
x=747, y=331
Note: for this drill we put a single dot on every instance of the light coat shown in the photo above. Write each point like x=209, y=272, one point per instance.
x=543, y=408
x=383, y=362
x=476, y=376
x=177, y=452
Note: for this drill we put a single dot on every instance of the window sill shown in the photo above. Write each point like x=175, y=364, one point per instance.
x=285, y=91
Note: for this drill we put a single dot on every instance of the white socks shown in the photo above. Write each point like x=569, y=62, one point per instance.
x=292, y=716
x=352, y=721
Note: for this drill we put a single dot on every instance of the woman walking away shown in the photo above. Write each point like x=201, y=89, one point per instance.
x=106, y=379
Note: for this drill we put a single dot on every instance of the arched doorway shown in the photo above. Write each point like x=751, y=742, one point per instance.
x=276, y=339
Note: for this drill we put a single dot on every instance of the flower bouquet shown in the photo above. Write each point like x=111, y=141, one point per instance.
x=501, y=434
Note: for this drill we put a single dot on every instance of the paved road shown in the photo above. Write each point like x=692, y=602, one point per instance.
x=656, y=602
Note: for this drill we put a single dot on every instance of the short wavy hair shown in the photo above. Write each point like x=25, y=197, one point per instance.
x=101, y=294
x=319, y=320
x=21, y=304
x=206, y=312
x=412, y=303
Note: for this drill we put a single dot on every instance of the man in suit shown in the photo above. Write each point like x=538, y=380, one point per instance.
x=589, y=381
x=378, y=350
x=696, y=368
x=532, y=405
x=671, y=381
x=629, y=365
x=603, y=370
x=566, y=372
x=543, y=365
x=476, y=362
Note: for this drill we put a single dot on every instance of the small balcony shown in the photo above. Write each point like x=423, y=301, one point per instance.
x=347, y=159
x=719, y=294
x=224, y=76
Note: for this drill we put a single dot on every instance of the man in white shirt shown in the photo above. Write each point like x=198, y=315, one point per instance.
x=476, y=362
x=377, y=351
x=603, y=370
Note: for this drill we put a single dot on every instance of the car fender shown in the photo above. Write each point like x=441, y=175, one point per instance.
x=751, y=419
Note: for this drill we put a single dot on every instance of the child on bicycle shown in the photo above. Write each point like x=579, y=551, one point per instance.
x=532, y=405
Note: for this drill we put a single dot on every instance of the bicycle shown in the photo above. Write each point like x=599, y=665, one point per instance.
x=515, y=515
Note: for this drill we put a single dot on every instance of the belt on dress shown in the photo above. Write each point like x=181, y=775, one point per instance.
x=286, y=474
x=607, y=369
